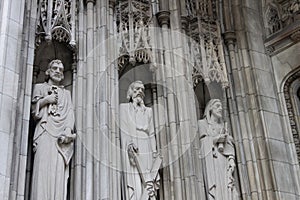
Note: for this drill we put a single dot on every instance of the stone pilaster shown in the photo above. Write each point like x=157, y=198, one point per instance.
x=89, y=119
x=253, y=103
x=11, y=38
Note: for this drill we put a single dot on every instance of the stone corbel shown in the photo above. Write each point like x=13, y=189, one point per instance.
x=269, y=50
x=229, y=37
x=90, y=1
x=163, y=18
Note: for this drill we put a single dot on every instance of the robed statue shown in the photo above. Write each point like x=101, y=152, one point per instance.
x=53, y=138
x=217, y=154
x=141, y=161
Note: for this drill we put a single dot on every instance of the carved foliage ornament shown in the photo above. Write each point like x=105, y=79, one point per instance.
x=56, y=21
x=133, y=20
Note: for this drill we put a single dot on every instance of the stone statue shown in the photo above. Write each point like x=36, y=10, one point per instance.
x=217, y=154
x=141, y=161
x=53, y=137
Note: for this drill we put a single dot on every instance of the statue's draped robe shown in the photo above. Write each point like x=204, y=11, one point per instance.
x=217, y=178
x=51, y=160
x=136, y=126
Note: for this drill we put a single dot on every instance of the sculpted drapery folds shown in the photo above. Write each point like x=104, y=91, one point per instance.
x=140, y=159
x=217, y=154
x=53, y=137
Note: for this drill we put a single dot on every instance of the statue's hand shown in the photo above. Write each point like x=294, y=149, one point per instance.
x=66, y=136
x=131, y=150
x=150, y=188
x=34, y=146
x=230, y=169
x=51, y=98
x=155, y=154
x=221, y=138
x=231, y=164
x=61, y=139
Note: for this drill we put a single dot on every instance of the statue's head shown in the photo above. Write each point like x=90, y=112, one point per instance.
x=136, y=91
x=213, y=109
x=55, y=71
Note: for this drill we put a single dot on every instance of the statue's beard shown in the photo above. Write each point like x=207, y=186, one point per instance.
x=138, y=100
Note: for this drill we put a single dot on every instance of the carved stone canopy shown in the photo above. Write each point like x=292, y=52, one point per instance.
x=206, y=42
x=133, y=20
x=56, y=21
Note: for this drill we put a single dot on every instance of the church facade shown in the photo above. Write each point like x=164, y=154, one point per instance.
x=186, y=52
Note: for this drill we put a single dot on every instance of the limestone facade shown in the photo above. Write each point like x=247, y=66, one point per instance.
x=186, y=52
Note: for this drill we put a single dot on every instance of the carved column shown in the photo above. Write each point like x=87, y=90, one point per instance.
x=189, y=120
x=89, y=184
x=79, y=188
x=115, y=189
x=162, y=77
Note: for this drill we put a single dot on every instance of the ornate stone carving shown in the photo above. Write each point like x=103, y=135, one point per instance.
x=139, y=153
x=282, y=21
x=208, y=55
x=56, y=21
x=206, y=42
x=191, y=8
x=290, y=11
x=273, y=19
x=217, y=153
x=290, y=110
x=53, y=137
x=270, y=50
x=185, y=23
x=133, y=19
x=282, y=14
x=296, y=36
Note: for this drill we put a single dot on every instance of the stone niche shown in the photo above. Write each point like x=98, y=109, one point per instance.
x=204, y=92
x=44, y=53
x=132, y=73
